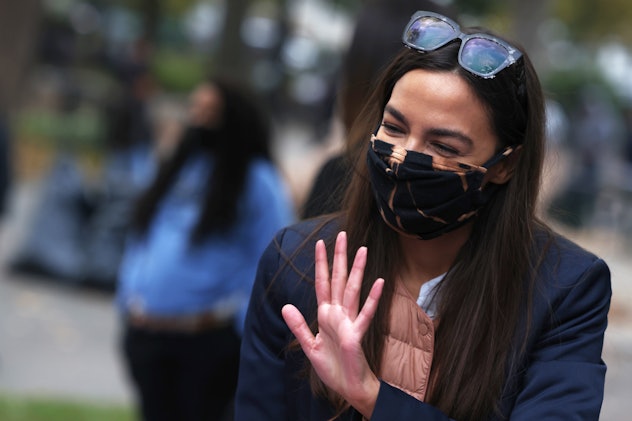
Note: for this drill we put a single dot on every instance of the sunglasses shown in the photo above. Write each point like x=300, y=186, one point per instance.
x=481, y=54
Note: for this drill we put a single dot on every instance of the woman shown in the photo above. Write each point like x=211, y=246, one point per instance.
x=368, y=54
x=460, y=304
x=198, y=232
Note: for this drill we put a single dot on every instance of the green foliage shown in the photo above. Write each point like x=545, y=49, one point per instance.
x=45, y=409
x=168, y=6
x=179, y=71
x=80, y=130
x=592, y=20
x=566, y=86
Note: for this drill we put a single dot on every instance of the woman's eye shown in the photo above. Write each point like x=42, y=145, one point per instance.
x=444, y=149
x=391, y=128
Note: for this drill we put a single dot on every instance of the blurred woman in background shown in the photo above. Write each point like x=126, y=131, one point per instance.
x=197, y=233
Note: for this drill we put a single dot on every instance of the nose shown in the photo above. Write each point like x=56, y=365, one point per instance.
x=414, y=143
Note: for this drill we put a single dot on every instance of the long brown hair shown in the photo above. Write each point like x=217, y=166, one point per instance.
x=486, y=295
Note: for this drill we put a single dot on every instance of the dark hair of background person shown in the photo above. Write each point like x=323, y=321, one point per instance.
x=474, y=338
x=376, y=40
x=243, y=134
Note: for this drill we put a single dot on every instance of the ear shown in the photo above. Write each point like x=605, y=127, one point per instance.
x=503, y=171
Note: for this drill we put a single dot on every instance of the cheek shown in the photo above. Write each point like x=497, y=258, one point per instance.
x=383, y=136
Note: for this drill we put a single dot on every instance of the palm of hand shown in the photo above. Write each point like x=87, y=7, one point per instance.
x=336, y=352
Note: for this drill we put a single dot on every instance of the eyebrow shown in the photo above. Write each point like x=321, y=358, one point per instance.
x=395, y=112
x=452, y=133
x=434, y=131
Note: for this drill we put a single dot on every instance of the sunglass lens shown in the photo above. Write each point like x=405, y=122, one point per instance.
x=483, y=56
x=428, y=33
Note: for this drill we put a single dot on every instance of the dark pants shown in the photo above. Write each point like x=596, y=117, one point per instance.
x=183, y=376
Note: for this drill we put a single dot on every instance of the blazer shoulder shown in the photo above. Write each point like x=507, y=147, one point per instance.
x=290, y=256
x=301, y=234
x=565, y=264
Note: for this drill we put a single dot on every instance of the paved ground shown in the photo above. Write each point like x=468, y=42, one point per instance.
x=55, y=340
x=60, y=341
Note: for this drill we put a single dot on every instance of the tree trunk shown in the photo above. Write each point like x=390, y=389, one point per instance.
x=526, y=17
x=231, y=59
x=19, y=21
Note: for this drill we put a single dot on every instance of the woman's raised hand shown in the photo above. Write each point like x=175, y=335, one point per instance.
x=336, y=351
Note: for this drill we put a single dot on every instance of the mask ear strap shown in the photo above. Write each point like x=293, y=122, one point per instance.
x=507, y=163
x=500, y=156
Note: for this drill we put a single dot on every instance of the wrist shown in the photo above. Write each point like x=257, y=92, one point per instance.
x=363, y=399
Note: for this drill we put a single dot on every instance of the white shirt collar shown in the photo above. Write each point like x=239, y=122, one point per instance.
x=427, y=294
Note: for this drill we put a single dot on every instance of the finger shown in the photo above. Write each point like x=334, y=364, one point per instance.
x=351, y=299
x=296, y=322
x=339, y=270
x=323, y=288
x=370, y=306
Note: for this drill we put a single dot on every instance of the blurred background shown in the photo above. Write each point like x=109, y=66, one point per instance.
x=86, y=84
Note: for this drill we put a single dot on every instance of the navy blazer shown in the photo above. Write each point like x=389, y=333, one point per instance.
x=561, y=376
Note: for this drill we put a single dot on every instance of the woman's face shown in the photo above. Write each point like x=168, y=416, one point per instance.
x=205, y=106
x=437, y=113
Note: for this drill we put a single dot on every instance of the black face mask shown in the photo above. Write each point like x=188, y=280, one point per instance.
x=200, y=137
x=423, y=195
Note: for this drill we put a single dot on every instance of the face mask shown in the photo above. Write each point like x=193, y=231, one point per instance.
x=200, y=137
x=423, y=195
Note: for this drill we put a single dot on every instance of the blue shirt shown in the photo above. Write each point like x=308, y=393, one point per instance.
x=162, y=273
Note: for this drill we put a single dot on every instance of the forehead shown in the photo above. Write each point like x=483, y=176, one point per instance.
x=441, y=99
x=205, y=94
x=206, y=104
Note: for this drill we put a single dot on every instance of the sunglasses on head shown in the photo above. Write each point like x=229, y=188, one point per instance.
x=481, y=54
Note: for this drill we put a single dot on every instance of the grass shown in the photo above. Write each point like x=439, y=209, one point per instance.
x=13, y=408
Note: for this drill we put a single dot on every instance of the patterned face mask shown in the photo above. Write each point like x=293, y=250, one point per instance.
x=423, y=195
